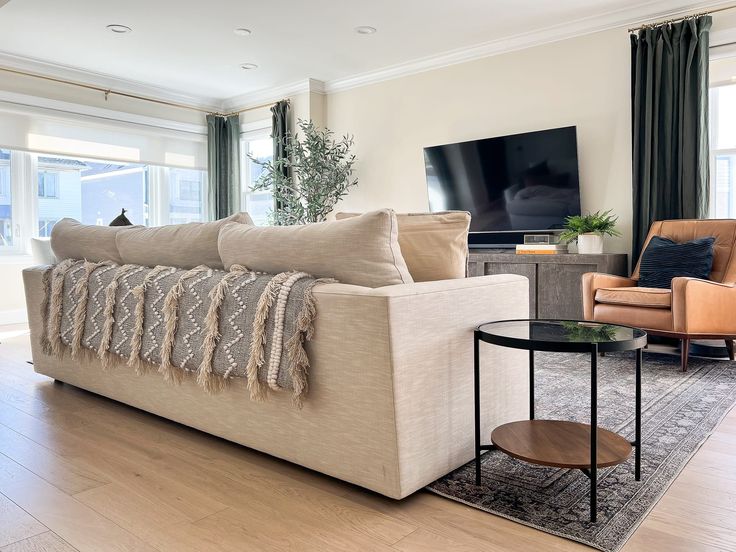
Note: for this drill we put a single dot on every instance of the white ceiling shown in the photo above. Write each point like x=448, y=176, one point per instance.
x=188, y=46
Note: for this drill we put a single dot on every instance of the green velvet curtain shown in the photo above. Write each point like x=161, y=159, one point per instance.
x=223, y=165
x=669, y=96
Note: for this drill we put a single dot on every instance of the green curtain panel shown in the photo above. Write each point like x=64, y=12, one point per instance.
x=669, y=97
x=223, y=165
x=279, y=131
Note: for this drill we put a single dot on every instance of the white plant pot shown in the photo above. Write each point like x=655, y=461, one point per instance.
x=590, y=244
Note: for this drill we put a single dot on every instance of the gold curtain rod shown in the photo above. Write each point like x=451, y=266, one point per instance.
x=683, y=18
x=108, y=92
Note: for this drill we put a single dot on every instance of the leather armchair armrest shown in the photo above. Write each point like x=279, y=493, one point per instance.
x=592, y=281
x=702, y=306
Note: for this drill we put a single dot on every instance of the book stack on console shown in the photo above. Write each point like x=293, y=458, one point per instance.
x=541, y=249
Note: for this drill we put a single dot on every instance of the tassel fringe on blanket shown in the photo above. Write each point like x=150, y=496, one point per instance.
x=201, y=323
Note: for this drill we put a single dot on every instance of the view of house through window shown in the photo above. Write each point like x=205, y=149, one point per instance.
x=93, y=192
x=186, y=190
x=723, y=151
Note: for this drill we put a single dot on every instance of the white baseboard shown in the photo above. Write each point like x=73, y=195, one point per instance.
x=14, y=316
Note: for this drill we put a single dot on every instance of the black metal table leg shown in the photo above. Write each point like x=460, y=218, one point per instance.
x=594, y=432
x=637, y=425
x=476, y=393
x=531, y=384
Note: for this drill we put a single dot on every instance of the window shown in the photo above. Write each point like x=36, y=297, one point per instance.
x=38, y=190
x=48, y=184
x=258, y=204
x=186, y=190
x=723, y=151
x=189, y=190
x=44, y=227
x=93, y=192
x=6, y=203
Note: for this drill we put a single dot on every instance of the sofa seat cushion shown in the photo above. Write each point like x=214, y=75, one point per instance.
x=434, y=245
x=363, y=251
x=180, y=245
x=653, y=298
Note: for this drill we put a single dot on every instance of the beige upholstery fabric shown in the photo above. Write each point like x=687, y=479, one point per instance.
x=434, y=245
x=390, y=388
x=363, y=251
x=653, y=298
x=71, y=239
x=179, y=245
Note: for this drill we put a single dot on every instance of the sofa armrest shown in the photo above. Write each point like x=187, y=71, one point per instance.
x=431, y=341
x=703, y=307
x=593, y=281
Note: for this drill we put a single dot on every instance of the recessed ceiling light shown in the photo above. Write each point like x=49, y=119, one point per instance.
x=242, y=31
x=248, y=66
x=119, y=29
x=365, y=30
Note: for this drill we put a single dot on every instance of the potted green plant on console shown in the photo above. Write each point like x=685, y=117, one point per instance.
x=588, y=230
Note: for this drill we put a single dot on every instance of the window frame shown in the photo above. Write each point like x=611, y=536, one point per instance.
x=23, y=189
x=714, y=153
x=258, y=130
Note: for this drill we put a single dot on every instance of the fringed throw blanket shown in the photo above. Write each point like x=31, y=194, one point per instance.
x=211, y=324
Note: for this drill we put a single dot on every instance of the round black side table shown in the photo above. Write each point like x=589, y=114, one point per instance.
x=559, y=443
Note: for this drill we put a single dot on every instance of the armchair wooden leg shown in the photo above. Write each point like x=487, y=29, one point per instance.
x=684, y=350
x=729, y=346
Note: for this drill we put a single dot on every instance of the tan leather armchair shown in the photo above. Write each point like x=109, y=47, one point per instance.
x=692, y=309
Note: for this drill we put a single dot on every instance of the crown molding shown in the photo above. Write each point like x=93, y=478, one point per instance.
x=83, y=76
x=257, y=98
x=648, y=11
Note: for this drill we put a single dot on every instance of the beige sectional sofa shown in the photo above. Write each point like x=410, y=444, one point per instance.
x=390, y=385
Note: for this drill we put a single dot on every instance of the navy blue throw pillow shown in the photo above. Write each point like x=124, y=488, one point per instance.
x=664, y=259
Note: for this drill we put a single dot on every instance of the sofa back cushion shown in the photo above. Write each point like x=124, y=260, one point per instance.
x=362, y=251
x=434, y=245
x=71, y=239
x=180, y=245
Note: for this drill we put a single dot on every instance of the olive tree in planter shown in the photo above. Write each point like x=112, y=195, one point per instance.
x=310, y=180
x=588, y=230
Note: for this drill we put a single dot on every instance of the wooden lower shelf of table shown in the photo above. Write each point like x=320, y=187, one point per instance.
x=559, y=444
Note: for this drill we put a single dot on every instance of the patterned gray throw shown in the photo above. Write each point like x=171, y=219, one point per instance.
x=207, y=323
x=679, y=411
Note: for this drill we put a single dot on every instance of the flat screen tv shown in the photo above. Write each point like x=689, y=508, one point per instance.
x=522, y=183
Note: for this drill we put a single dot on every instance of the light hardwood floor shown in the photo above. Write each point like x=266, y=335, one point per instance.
x=80, y=472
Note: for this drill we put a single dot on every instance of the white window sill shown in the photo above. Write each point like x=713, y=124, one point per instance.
x=15, y=258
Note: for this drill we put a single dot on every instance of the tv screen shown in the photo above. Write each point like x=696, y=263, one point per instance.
x=522, y=182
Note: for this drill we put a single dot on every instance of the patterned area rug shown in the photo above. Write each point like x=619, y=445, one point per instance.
x=679, y=411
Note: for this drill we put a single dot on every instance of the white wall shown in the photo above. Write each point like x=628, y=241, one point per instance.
x=582, y=81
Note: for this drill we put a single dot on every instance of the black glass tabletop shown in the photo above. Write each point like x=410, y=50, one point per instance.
x=562, y=335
